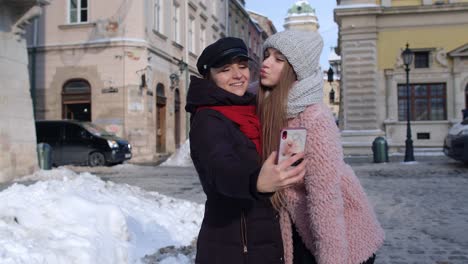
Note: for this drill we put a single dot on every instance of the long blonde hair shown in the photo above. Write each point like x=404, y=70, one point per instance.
x=272, y=106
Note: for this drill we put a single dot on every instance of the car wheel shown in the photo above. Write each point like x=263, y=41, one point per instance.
x=96, y=159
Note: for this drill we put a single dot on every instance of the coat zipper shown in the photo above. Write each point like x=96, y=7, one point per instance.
x=243, y=224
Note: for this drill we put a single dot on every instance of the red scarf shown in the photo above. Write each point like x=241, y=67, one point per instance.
x=245, y=117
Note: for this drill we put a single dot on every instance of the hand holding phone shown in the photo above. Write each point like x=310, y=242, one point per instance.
x=292, y=141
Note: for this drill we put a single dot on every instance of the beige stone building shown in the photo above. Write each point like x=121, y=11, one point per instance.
x=122, y=64
x=265, y=23
x=372, y=36
x=18, y=156
x=238, y=20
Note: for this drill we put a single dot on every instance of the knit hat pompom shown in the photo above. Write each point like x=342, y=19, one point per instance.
x=302, y=49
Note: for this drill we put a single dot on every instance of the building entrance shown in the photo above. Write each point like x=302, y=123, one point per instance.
x=76, y=100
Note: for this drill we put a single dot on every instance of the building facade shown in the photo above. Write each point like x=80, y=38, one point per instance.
x=265, y=23
x=17, y=130
x=260, y=28
x=331, y=88
x=372, y=36
x=123, y=65
x=301, y=16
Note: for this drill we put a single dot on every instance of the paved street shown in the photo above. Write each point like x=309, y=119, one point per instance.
x=423, y=207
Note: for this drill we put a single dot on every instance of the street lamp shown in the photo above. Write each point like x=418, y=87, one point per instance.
x=183, y=66
x=330, y=80
x=407, y=56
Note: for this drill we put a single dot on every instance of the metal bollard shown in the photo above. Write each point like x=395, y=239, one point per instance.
x=44, y=156
x=380, y=150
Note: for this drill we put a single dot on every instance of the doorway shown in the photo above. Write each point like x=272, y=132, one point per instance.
x=160, y=119
x=76, y=100
x=177, y=117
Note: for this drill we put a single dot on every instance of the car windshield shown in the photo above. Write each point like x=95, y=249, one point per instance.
x=96, y=130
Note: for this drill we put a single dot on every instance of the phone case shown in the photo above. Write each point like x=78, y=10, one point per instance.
x=292, y=141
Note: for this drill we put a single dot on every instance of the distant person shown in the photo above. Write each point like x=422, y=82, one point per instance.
x=240, y=224
x=327, y=219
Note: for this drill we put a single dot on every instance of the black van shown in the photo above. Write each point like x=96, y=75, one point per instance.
x=82, y=143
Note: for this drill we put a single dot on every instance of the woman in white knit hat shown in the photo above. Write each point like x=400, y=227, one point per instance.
x=327, y=219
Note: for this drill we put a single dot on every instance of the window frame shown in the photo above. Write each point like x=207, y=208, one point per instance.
x=177, y=23
x=79, y=9
x=214, y=5
x=158, y=16
x=427, y=55
x=191, y=34
x=202, y=37
x=428, y=97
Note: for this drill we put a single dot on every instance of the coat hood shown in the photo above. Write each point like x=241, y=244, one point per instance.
x=203, y=92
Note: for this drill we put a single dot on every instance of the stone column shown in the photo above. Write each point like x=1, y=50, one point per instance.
x=17, y=130
x=359, y=85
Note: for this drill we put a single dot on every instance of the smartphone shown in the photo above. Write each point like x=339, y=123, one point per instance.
x=292, y=141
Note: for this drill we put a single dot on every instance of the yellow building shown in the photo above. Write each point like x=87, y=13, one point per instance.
x=372, y=36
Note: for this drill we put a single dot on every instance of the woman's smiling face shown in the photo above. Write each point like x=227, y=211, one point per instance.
x=233, y=77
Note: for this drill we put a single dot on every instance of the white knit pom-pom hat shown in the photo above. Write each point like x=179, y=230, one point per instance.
x=301, y=48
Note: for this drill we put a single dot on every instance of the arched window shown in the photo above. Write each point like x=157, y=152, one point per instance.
x=161, y=98
x=76, y=100
x=76, y=86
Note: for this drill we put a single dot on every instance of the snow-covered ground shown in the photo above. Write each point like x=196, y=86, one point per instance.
x=66, y=217
x=181, y=158
x=74, y=217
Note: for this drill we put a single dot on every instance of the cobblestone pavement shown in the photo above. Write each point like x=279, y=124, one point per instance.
x=423, y=206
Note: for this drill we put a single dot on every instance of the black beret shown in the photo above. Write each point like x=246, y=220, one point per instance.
x=221, y=52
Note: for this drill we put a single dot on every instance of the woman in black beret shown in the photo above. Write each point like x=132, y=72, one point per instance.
x=240, y=224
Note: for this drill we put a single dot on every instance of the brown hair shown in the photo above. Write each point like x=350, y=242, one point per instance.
x=272, y=105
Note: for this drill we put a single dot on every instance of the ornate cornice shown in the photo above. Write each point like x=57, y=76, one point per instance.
x=460, y=51
x=35, y=11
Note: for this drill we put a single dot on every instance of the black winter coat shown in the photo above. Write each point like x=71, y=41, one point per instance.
x=240, y=225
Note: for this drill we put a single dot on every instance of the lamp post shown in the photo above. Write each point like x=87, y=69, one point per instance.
x=183, y=66
x=330, y=80
x=407, y=56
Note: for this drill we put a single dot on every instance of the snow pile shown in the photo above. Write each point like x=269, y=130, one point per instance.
x=181, y=158
x=78, y=218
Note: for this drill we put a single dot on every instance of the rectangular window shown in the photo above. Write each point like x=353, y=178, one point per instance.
x=77, y=11
x=176, y=20
x=158, y=15
x=427, y=101
x=215, y=6
x=202, y=38
x=421, y=59
x=191, y=35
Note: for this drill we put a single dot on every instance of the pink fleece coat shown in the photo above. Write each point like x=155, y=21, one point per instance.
x=330, y=210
